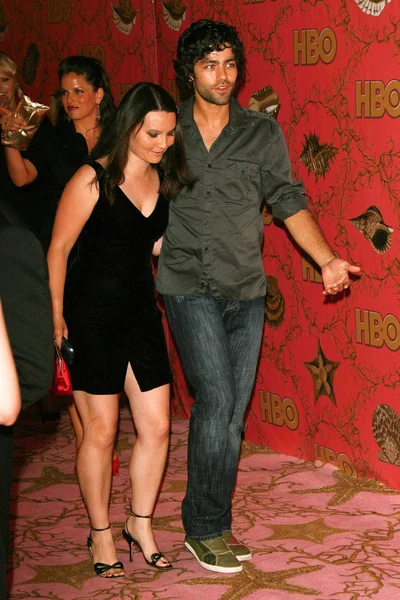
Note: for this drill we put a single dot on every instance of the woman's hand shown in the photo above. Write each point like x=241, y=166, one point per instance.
x=9, y=122
x=157, y=247
x=60, y=329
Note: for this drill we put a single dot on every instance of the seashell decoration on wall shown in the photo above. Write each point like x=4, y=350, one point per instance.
x=30, y=64
x=124, y=16
x=374, y=229
x=275, y=307
x=372, y=7
x=265, y=100
x=174, y=13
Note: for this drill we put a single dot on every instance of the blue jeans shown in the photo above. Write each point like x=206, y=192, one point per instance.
x=219, y=343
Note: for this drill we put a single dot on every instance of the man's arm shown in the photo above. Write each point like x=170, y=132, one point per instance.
x=308, y=235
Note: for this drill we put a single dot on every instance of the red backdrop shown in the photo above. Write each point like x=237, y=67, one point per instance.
x=329, y=375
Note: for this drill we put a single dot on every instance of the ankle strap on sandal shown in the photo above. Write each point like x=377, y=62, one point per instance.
x=133, y=514
x=102, y=529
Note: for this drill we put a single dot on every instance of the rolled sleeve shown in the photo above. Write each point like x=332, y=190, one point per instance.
x=285, y=196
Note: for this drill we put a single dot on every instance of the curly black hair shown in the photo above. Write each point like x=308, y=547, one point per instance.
x=201, y=38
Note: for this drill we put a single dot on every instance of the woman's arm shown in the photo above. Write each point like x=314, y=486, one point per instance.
x=157, y=247
x=10, y=393
x=76, y=205
x=20, y=169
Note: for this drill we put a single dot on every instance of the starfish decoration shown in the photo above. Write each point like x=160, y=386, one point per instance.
x=346, y=488
x=322, y=371
x=315, y=531
x=316, y=156
x=50, y=476
x=252, y=580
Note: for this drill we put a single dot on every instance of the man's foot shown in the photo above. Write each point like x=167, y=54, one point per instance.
x=237, y=547
x=213, y=555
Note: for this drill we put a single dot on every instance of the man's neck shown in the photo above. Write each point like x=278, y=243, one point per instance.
x=210, y=115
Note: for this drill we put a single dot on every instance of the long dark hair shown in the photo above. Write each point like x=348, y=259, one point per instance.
x=96, y=75
x=201, y=38
x=113, y=143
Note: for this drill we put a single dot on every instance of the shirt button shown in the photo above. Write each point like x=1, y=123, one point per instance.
x=208, y=193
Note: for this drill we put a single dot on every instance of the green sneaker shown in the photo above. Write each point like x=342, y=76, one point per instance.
x=213, y=555
x=237, y=547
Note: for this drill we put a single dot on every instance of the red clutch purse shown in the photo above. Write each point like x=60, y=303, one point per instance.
x=61, y=385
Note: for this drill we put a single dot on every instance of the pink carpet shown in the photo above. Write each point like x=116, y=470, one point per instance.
x=315, y=533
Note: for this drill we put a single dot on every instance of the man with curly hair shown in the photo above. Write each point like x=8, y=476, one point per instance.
x=212, y=277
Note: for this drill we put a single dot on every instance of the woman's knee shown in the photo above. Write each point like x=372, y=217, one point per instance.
x=155, y=430
x=100, y=432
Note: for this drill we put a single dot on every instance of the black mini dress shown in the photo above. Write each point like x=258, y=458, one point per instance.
x=110, y=304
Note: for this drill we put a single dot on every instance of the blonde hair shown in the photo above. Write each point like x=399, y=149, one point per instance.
x=10, y=69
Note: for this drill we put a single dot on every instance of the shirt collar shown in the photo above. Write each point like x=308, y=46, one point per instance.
x=238, y=116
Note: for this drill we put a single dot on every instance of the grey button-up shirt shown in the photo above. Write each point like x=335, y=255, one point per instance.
x=215, y=229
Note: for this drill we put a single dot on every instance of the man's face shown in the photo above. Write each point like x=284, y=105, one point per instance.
x=215, y=76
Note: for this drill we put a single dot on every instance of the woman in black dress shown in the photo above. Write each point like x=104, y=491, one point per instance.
x=117, y=209
x=57, y=152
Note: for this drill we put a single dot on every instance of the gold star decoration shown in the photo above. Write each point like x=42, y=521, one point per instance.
x=49, y=476
x=322, y=371
x=315, y=531
x=75, y=574
x=347, y=487
x=252, y=580
x=250, y=449
x=316, y=156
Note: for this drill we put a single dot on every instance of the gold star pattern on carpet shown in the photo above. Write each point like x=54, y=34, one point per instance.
x=322, y=371
x=75, y=574
x=315, y=531
x=49, y=476
x=347, y=487
x=252, y=580
x=250, y=449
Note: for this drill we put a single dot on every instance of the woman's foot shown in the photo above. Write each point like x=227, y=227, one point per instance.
x=102, y=549
x=138, y=531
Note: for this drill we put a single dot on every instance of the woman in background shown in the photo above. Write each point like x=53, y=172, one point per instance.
x=118, y=208
x=57, y=152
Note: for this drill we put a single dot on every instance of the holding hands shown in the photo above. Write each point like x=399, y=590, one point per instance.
x=336, y=276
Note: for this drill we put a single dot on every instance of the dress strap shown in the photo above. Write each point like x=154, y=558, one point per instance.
x=97, y=167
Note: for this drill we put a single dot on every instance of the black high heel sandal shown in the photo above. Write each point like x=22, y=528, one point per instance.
x=99, y=567
x=155, y=557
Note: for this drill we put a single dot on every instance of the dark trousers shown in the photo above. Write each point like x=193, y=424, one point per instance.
x=219, y=343
x=6, y=462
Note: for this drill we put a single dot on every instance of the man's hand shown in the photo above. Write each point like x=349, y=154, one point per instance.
x=336, y=276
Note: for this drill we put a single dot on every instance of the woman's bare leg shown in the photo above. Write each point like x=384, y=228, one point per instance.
x=99, y=416
x=151, y=415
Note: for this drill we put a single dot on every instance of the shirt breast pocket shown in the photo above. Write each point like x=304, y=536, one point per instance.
x=241, y=177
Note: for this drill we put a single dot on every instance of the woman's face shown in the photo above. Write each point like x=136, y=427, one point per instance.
x=150, y=140
x=78, y=97
x=7, y=90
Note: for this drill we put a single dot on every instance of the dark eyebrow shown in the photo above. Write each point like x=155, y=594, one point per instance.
x=214, y=61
